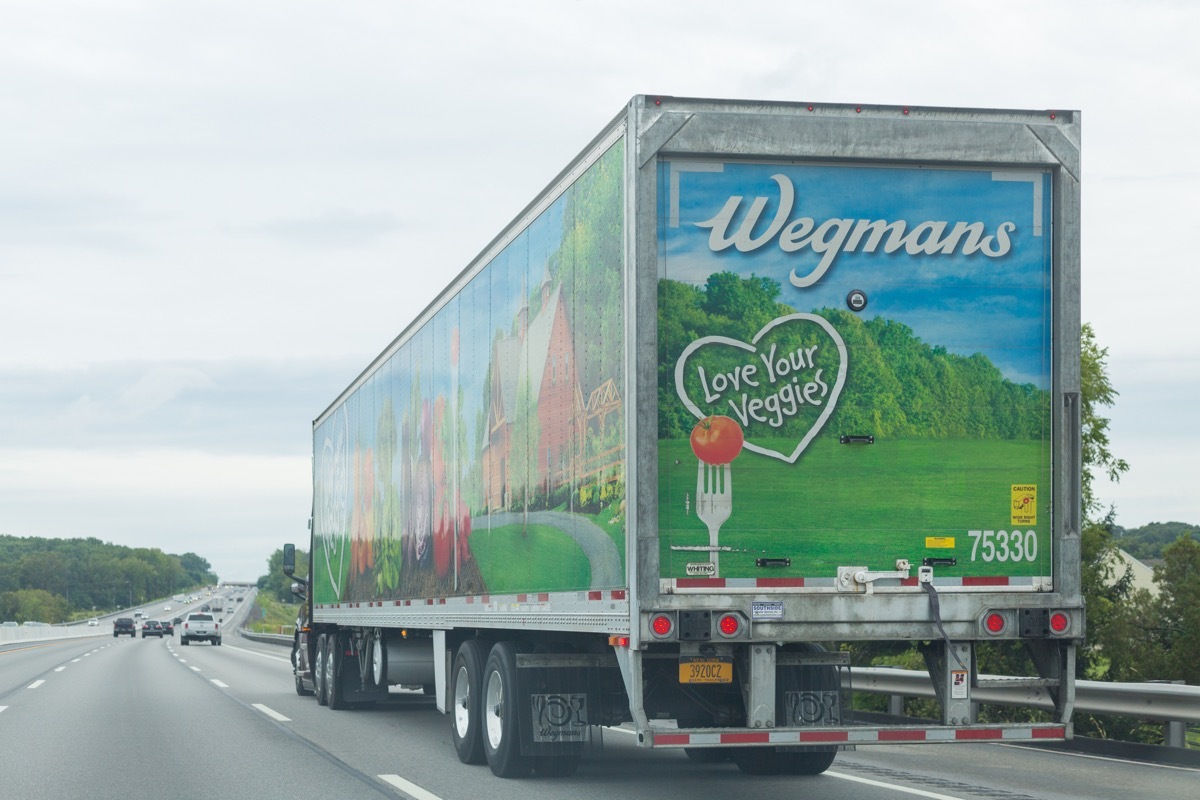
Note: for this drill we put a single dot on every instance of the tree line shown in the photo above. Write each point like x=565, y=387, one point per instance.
x=897, y=386
x=55, y=580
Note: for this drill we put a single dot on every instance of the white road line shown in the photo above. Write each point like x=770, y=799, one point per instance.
x=218, y=683
x=256, y=653
x=59, y=669
x=894, y=787
x=410, y=789
x=195, y=669
x=35, y=684
x=3, y=707
x=272, y=713
x=74, y=660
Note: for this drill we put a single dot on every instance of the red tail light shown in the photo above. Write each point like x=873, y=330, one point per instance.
x=994, y=623
x=729, y=625
x=1060, y=622
x=661, y=625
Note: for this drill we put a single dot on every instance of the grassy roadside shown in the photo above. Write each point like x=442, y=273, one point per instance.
x=269, y=615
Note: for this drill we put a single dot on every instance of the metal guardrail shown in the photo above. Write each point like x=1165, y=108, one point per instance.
x=40, y=634
x=283, y=640
x=1158, y=701
x=1174, y=704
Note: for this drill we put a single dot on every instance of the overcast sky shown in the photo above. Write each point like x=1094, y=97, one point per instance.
x=214, y=214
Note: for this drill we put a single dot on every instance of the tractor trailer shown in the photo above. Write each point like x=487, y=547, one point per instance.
x=751, y=392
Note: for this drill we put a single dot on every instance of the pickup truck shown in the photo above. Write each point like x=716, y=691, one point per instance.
x=125, y=625
x=199, y=625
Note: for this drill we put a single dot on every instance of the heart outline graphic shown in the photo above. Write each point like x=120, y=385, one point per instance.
x=752, y=347
x=335, y=485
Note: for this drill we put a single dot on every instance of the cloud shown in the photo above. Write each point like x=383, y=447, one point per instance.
x=226, y=407
x=332, y=229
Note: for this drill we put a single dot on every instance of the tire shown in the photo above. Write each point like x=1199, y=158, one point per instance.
x=501, y=728
x=217, y=641
x=378, y=670
x=319, y=671
x=300, y=688
x=759, y=761
x=333, y=673
x=809, y=763
x=466, y=693
x=185, y=641
x=557, y=766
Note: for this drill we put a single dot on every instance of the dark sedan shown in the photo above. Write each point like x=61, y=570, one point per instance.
x=152, y=627
x=168, y=627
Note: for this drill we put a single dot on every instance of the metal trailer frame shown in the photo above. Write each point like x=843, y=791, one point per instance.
x=655, y=127
x=892, y=135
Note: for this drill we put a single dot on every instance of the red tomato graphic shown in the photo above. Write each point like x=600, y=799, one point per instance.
x=717, y=440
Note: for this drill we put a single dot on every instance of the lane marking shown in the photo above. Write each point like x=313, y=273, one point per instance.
x=35, y=684
x=59, y=669
x=894, y=787
x=270, y=712
x=410, y=789
x=2, y=708
x=218, y=683
x=75, y=660
x=256, y=653
x=195, y=669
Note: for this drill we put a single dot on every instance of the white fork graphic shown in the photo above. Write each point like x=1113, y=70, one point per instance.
x=714, y=502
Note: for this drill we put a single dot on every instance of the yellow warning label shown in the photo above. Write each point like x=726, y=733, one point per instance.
x=939, y=542
x=1024, y=504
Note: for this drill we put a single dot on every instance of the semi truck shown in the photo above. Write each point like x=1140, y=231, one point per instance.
x=750, y=396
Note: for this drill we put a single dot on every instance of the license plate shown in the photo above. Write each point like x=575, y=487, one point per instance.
x=705, y=670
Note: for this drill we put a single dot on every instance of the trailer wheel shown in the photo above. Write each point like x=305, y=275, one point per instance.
x=300, y=689
x=466, y=691
x=558, y=766
x=334, y=697
x=501, y=739
x=319, y=671
x=378, y=662
x=808, y=763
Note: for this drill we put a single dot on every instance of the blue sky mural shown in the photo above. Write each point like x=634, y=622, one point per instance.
x=983, y=291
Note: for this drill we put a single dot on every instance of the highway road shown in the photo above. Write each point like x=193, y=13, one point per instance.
x=146, y=719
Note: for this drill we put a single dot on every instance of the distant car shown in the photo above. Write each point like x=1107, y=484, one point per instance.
x=93, y=622
x=8, y=623
x=166, y=608
x=152, y=627
x=32, y=624
x=125, y=625
x=168, y=627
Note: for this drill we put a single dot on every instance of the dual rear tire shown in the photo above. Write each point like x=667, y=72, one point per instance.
x=485, y=716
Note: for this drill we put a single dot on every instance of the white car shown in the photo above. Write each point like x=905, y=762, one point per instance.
x=93, y=622
x=166, y=608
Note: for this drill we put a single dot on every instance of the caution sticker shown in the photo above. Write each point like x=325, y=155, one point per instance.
x=939, y=542
x=1024, y=504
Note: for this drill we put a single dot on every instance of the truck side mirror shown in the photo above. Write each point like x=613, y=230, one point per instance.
x=289, y=559
x=298, y=590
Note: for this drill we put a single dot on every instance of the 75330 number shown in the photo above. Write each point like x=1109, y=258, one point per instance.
x=1003, y=545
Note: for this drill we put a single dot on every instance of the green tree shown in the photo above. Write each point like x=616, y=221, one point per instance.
x=1097, y=393
x=278, y=585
